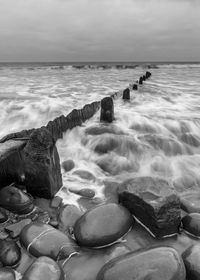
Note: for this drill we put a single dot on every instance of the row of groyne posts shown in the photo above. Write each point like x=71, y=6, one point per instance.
x=30, y=157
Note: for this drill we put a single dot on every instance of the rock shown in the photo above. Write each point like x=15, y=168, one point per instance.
x=191, y=258
x=141, y=81
x=191, y=224
x=68, y=216
x=84, y=192
x=7, y=274
x=86, y=265
x=25, y=262
x=14, y=230
x=43, y=240
x=56, y=202
x=153, y=202
x=190, y=202
x=158, y=263
x=42, y=165
x=107, y=110
x=148, y=74
x=144, y=78
x=103, y=128
x=3, y=234
x=68, y=165
x=3, y=217
x=126, y=94
x=11, y=164
x=44, y=268
x=84, y=174
x=10, y=253
x=102, y=225
x=16, y=200
x=135, y=87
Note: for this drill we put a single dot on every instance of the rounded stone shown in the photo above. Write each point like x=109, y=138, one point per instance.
x=3, y=217
x=10, y=253
x=43, y=240
x=191, y=224
x=153, y=264
x=191, y=258
x=7, y=274
x=68, y=165
x=44, y=268
x=84, y=174
x=86, y=192
x=190, y=202
x=102, y=225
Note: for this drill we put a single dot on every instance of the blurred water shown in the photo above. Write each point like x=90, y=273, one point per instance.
x=157, y=133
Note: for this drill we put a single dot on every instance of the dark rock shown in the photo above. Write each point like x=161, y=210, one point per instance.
x=84, y=174
x=44, y=268
x=107, y=110
x=191, y=259
x=144, y=78
x=43, y=240
x=126, y=94
x=103, y=128
x=158, y=263
x=191, y=224
x=135, y=87
x=68, y=165
x=140, y=80
x=11, y=163
x=42, y=165
x=84, y=192
x=154, y=202
x=102, y=225
x=86, y=265
x=190, y=202
x=7, y=274
x=3, y=217
x=14, y=230
x=68, y=216
x=148, y=74
x=10, y=253
x=16, y=200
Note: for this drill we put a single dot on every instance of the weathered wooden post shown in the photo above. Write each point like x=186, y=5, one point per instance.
x=126, y=94
x=107, y=110
x=135, y=87
x=144, y=77
x=141, y=81
x=148, y=74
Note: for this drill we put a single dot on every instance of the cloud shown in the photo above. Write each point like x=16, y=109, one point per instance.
x=68, y=30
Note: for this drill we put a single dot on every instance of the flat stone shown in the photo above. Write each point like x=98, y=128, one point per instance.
x=43, y=240
x=7, y=274
x=44, y=268
x=153, y=202
x=102, y=225
x=191, y=258
x=14, y=230
x=84, y=174
x=10, y=253
x=191, y=224
x=158, y=263
x=86, y=192
x=190, y=202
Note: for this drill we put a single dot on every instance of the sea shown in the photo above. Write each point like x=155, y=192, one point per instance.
x=156, y=133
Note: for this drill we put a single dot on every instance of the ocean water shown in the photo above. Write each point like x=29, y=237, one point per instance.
x=157, y=133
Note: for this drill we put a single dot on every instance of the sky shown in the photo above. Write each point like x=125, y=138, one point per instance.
x=99, y=30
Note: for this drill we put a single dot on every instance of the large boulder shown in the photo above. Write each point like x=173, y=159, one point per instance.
x=43, y=240
x=191, y=224
x=102, y=225
x=10, y=253
x=44, y=268
x=153, y=202
x=153, y=264
x=191, y=258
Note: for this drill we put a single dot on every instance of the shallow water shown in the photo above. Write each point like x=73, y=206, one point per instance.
x=157, y=133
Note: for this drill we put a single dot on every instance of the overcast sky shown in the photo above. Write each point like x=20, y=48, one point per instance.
x=99, y=30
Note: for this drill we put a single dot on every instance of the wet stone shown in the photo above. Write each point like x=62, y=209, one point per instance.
x=84, y=192
x=190, y=202
x=68, y=165
x=44, y=268
x=43, y=240
x=10, y=253
x=102, y=225
x=191, y=224
x=14, y=230
x=191, y=258
x=153, y=202
x=84, y=174
x=158, y=263
x=56, y=202
x=7, y=274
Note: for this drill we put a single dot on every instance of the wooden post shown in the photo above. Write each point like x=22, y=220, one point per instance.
x=135, y=87
x=107, y=110
x=148, y=74
x=126, y=94
x=141, y=81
